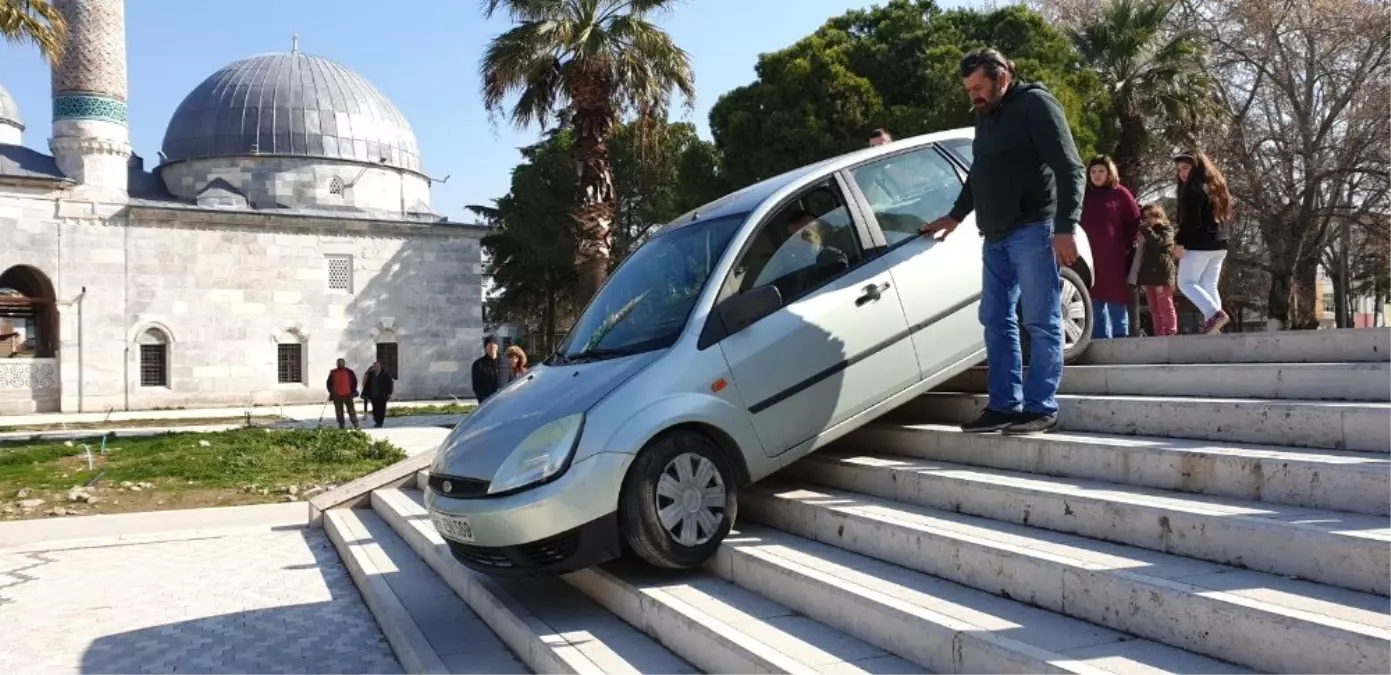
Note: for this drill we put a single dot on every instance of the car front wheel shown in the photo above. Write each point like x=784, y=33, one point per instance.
x=679, y=501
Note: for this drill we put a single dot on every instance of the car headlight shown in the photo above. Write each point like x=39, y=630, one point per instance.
x=540, y=455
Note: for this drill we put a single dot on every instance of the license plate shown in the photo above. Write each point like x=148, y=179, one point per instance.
x=457, y=528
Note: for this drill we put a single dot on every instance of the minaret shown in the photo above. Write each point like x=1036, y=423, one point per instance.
x=91, y=139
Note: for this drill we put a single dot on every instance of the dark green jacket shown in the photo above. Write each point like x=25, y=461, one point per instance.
x=1025, y=168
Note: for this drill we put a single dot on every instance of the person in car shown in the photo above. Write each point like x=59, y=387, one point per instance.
x=803, y=252
x=1025, y=187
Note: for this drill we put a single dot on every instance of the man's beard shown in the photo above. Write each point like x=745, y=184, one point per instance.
x=986, y=106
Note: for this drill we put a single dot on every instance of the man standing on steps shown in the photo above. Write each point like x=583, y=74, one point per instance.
x=1025, y=186
x=342, y=389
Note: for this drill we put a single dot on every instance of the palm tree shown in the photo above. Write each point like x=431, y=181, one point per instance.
x=1155, y=75
x=34, y=21
x=590, y=61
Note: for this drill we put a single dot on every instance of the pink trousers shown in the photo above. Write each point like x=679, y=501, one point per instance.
x=1161, y=302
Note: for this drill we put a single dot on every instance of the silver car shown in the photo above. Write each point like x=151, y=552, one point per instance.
x=739, y=338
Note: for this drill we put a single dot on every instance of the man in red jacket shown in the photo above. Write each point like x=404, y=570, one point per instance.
x=342, y=389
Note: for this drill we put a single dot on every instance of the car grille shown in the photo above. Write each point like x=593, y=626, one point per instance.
x=539, y=554
x=460, y=488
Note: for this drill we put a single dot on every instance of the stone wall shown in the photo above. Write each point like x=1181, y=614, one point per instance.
x=222, y=289
x=302, y=182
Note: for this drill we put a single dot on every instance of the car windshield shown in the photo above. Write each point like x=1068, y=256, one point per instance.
x=645, y=304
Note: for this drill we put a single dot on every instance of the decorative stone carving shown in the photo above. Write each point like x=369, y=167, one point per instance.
x=28, y=374
x=89, y=107
x=95, y=59
x=79, y=145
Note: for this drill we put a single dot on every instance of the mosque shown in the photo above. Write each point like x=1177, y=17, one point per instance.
x=286, y=224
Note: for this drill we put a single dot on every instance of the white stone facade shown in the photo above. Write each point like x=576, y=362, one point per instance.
x=223, y=288
x=297, y=182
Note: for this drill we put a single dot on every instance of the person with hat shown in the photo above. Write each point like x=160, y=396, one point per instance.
x=490, y=372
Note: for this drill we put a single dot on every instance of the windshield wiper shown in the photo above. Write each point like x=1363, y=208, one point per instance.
x=597, y=354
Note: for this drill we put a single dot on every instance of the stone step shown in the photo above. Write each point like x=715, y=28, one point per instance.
x=1341, y=549
x=1309, y=424
x=550, y=626
x=429, y=628
x=722, y=628
x=947, y=627
x=1356, y=482
x=1344, y=345
x=1253, y=619
x=1310, y=381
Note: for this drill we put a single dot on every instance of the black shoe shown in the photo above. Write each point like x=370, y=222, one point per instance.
x=990, y=420
x=1032, y=423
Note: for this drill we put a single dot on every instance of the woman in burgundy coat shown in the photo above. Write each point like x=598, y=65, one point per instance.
x=1111, y=219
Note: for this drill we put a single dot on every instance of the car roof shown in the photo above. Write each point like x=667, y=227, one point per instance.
x=749, y=198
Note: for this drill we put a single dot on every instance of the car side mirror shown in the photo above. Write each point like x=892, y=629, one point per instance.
x=741, y=311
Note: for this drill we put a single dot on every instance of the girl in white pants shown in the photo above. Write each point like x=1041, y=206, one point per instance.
x=1204, y=212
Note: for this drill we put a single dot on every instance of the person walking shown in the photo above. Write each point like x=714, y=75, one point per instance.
x=490, y=373
x=1204, y=221
x=377, y=387
x=342, y=390
x=1111, y=219
x=1026, y=190
x=1155, y=270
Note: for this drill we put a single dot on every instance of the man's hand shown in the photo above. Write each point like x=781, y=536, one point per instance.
x=1178, y=253
x=1065, y=248
x=946, y=225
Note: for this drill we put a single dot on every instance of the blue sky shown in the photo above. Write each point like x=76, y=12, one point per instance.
x=426, y=62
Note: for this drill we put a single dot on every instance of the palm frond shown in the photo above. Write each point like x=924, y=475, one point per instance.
x=35, y=22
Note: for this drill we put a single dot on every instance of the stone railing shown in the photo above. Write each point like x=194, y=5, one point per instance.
x=23, y=374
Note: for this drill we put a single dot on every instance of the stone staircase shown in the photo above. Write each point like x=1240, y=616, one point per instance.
x=1211, y=504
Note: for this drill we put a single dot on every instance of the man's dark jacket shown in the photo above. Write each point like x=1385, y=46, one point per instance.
x=489, y=375
x=378, y=386
x=1025, y=167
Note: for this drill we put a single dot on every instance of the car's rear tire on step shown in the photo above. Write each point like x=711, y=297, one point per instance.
x=680, y=480
x=1075, y=297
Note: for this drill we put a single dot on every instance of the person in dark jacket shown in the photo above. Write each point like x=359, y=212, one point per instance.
x=1204, y=212
x=490, y=372
x=1025, y=187
x=1156, y=271
x=342, y=390
x=377, y=387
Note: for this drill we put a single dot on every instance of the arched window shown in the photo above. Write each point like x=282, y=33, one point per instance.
x=335, y=186
x=28, y=314
x=154, y=358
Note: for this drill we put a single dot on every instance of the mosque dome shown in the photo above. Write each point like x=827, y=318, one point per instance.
x=9, y=110
x=288, y=105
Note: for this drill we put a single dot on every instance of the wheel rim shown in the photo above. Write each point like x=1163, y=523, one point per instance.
x=690, y=499
x=1074, y=315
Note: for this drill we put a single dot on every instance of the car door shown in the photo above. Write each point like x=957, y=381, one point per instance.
x=837, y=344
x=938, y=282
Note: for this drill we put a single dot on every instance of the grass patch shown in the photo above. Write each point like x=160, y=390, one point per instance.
x=437, y=409
x=194, y=469
x=259, y=420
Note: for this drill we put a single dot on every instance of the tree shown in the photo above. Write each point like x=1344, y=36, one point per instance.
x=1156, y=81
x=892, y=66
x=594, y=59
x=661, y=171
x=35, y=22
x=1305, y=144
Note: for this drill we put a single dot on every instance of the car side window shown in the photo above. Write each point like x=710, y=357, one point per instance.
x=805, y=244
x=908, y=190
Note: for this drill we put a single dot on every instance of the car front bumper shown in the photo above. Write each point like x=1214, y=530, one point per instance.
x=561, y=526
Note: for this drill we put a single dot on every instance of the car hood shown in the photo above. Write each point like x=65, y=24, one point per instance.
x=480, y=444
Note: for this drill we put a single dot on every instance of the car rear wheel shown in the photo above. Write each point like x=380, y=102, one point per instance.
x=1077, y=316
x=679, y=501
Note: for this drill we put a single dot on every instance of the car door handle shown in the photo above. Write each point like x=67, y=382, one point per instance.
x=872, y=293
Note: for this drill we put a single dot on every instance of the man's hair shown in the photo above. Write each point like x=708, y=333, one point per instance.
x=800, y=215
x=990, y=60
x=877, y=133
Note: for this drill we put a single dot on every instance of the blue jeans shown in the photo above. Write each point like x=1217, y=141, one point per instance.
x=1022, y=270
x=1112, y=320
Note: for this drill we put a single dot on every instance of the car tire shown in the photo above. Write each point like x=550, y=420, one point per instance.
x=644, y=500
x=1078, y=295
